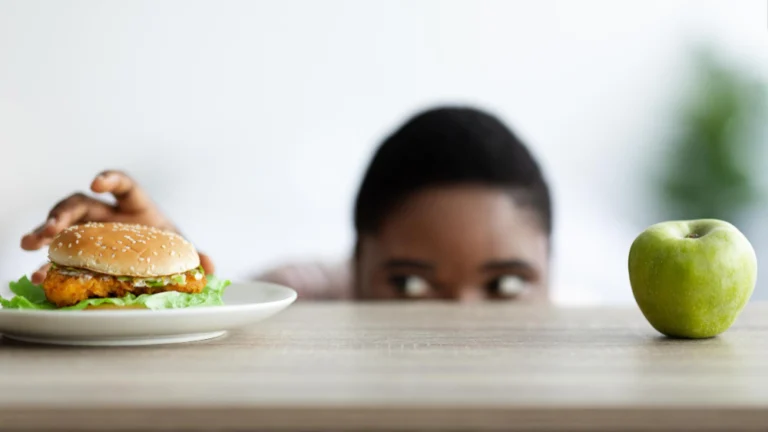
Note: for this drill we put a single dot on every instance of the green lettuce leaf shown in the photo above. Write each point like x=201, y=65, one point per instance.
x=28, y=296
x=31, y=296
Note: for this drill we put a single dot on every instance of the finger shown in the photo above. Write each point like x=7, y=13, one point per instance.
x=33, y=242
x=69, y=211
x=130, y=196
x=207, y=264
x=77, y=208
x=40, y=236
x=39, y=276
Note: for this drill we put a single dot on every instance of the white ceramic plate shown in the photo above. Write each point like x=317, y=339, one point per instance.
x=245, y=303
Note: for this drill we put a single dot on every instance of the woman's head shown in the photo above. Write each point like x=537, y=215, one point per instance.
x=452, y=206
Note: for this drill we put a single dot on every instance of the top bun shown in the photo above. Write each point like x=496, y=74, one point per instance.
x=123, y=250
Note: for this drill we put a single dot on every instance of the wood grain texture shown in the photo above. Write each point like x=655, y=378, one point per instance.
x=435, y=366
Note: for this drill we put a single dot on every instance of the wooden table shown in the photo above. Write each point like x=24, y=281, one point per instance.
x=338, y=366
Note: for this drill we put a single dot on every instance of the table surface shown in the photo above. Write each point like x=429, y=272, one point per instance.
x=402, y=366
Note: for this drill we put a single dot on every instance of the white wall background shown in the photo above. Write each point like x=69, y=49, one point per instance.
x=251, y=122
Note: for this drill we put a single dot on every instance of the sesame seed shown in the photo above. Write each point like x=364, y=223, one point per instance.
x=113, y=255
x=61, y=244
x=154, y=253
x=100, y=254
x=79, y=253
x=132, y=268
x=114, y=247
x=91, y=237
x=141, y=259
x=69, y=245
x=70, y=257
x=77, y=241
x=147, y=259
x=99, y=237
x=162, y=246
x=173, y=253
x=119, y=242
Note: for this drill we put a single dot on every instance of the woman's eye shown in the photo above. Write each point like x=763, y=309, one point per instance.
x=508, y=286
x=411, y=286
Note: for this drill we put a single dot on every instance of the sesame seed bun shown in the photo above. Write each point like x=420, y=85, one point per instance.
x=123, y=250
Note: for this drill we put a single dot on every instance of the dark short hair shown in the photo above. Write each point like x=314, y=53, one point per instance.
x=449, y=146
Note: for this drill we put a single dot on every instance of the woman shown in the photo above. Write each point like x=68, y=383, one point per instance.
x=452, y=206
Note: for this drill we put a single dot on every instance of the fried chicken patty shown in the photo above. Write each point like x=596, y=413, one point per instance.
x=68, y=289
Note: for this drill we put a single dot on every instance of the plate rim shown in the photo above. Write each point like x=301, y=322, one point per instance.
x=292, y=295
x=118, y=342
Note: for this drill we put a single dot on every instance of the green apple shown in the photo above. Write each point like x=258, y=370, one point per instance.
x=691, y=279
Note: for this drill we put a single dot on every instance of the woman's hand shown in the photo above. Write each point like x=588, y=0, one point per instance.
x=132, y=205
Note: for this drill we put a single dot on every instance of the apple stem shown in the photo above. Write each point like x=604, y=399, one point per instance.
x=692, y=236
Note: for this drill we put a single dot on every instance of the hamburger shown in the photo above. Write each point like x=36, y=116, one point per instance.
x=115, y=265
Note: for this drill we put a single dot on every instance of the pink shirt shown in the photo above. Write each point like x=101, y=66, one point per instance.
x=314, y=280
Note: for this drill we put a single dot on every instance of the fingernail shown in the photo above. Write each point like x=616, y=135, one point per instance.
x=51, y=221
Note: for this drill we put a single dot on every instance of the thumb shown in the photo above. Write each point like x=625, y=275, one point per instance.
x=39, y=276
x=207, y=263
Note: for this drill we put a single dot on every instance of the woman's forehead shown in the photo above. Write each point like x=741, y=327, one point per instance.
x=475, y=221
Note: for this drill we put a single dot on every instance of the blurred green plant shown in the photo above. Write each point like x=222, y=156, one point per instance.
x=715, y=159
